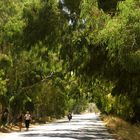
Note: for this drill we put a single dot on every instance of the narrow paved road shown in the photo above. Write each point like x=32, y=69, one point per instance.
x=81, y=127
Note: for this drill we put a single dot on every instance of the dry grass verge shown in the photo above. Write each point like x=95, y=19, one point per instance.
x=8, y=129
x=123, y=129
x=13, y=128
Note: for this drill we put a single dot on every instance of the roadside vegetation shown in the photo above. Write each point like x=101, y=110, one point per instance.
x=121, y=129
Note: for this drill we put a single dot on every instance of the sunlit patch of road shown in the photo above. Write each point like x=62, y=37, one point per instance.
x=81, y=127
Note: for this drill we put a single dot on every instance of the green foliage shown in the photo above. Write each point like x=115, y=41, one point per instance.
x=122, y=34
x=56, y=56
x=42, y=22
x=5, y=61
x=51, y=100
x=3, y=83
x=11, y=23
x=3, y=88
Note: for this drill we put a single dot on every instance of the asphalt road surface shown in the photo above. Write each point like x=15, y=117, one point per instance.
x=81, y=127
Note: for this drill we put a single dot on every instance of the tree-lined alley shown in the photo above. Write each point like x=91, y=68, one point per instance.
x=58, y=55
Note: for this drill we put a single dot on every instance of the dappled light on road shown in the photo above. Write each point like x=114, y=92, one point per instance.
x=81, y=127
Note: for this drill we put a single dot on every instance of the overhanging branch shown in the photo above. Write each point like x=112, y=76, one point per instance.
x=35, y=84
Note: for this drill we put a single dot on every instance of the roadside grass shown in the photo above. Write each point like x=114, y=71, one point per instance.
x=8, y=129
x=12, y=128
x=15, y=127
x=122, y=129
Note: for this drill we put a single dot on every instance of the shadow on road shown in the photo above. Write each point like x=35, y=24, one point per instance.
x=78, y=129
